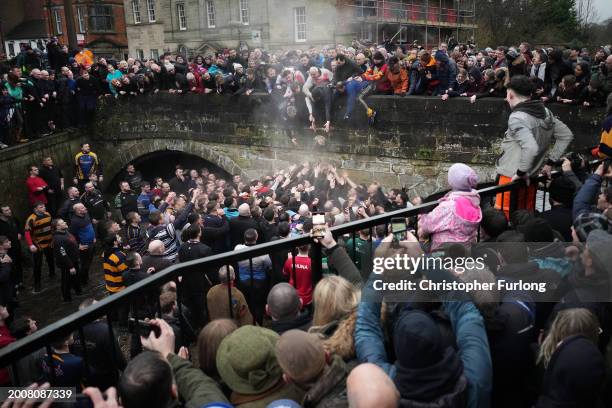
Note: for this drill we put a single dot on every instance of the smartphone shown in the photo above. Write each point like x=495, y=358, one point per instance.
x=142, y=328
x=318, y=225
x=83, y=401
x=399, y=228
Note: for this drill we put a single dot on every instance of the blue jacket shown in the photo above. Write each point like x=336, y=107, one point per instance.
x=587, y=196
x=470, y=334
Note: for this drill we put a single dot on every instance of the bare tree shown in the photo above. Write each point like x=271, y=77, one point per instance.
x=586, y=14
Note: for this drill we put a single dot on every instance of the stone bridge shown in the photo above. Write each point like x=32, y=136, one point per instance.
x=413, y=143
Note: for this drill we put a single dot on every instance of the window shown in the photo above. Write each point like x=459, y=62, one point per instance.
x=155, y=55
x=244, y=12
x=139, y=54
x=210, y=11
x=151, y=10
x=57, y=18
x=81, y=19
x=101, y=18
x=136, y=11
x=180, y=14
x=300, y=24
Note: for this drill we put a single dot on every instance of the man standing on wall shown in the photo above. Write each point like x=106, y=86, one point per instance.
x=86, y=163
x=55, y=180
x=531, y=128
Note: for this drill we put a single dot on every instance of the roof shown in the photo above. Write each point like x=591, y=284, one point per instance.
x=28, y=30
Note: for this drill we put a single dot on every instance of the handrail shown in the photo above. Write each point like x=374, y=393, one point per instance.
x=41, y=338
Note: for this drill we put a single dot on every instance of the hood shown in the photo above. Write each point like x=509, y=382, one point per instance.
x=574, y=376
x=334, y=375
x=466, y=205
x=533, y=108
x=425, y=369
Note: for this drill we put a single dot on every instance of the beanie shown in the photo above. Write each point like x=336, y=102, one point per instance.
x=462, y=177
x=585, y=223
x=562, y=190
x=599, y=244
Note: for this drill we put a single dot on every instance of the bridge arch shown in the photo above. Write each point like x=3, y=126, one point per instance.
x=162, y=149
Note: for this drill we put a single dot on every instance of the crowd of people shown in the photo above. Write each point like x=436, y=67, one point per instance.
x=40, y=95
x=269, y=331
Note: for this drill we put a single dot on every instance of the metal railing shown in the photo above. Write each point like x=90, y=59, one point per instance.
x=10, y=355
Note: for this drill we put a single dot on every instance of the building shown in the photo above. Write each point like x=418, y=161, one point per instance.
x=99, y=25
x=22, y=21
x=428, y=22
x=193, y=27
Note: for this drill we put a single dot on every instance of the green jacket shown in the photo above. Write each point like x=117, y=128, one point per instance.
x=194, y=387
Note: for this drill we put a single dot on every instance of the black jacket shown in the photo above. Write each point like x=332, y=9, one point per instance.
x=302, y=322
x=52, y=176
x=238, y=226
x=65, y=249
x=194, y=280
x=104, y=356
x=66, y=211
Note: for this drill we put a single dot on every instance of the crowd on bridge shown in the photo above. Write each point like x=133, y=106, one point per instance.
x=41, y=94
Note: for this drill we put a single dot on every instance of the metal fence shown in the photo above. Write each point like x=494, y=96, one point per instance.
x=107, y=307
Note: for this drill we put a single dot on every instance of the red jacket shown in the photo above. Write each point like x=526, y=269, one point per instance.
x=33, y=195
x=5, y=340
x=379, y=76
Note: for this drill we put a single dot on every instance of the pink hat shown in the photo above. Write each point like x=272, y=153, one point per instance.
x=462, y=177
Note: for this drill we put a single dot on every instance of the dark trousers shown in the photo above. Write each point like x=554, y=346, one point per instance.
x=85, y=258
x=37, y=258
x=196, y=303
x=54, y=202
x=87, y=110
x=69, y=282
x=256, y=294
x=17, y=267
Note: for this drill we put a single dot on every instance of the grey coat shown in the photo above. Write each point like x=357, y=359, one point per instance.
x=527, y=141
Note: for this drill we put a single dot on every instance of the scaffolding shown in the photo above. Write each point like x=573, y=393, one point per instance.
x=432, y=21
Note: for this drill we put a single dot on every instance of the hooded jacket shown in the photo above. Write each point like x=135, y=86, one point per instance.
x=531, y=129
x=574, y=376
x=455, y=219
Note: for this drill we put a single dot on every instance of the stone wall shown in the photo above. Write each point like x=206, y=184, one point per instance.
x=413, y=143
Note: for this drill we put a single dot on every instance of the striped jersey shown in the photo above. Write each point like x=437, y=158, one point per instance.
x=39, y=226
x=166, y=233
x=114, y=265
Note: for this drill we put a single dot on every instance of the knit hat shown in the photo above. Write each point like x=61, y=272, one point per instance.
x=462, y=177
x=586, y=223
x=562, y=190
x=300, y=355
x=599, y=244
x=441, y=56
x=237, y=65
x=246, y=360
